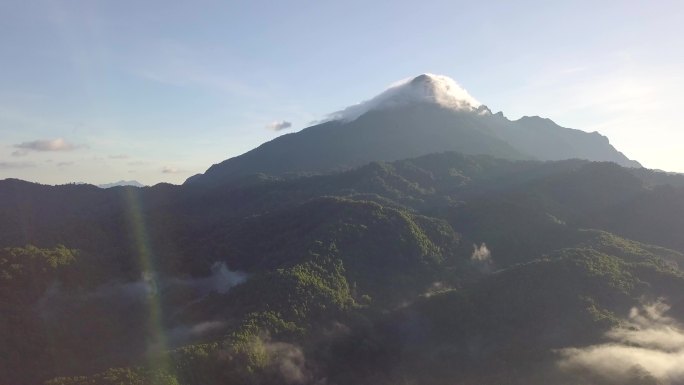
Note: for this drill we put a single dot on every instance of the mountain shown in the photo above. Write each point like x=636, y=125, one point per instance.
x=133, y=183
x=445, y=268
x=423, y=115
x=357, y=251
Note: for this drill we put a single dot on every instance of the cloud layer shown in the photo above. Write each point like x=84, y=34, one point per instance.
x=649, y=345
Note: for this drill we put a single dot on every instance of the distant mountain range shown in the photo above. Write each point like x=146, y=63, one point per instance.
x=133, y=183
x=424, y=115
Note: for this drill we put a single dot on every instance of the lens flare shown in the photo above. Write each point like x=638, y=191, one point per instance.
x=157, y=342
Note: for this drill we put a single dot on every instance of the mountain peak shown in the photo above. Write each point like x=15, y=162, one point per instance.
x=425, y=88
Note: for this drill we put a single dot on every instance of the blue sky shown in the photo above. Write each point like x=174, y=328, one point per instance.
x=98, y=91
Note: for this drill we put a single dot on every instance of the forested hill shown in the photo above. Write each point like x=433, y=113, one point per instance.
x=442, y=269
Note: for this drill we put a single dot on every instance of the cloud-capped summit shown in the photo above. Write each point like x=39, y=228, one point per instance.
x=414, y=117
x=425, y=88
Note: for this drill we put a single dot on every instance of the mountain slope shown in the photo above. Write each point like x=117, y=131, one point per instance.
x=377, y=135
x=424, y=115
x=545, y=140
x=363, y=276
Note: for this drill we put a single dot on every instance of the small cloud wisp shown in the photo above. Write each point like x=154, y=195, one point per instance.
x=44, y=145
x=279, y=125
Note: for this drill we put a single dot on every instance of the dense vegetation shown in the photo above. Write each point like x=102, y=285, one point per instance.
x=436, y=270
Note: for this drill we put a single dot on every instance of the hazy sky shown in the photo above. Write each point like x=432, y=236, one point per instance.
x=99, y=91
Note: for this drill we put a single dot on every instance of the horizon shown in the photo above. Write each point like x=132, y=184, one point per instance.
x=155, y=92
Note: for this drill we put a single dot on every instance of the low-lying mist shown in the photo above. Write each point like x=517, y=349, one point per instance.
x=150, y=284
x=123, y=308
x=648, y=346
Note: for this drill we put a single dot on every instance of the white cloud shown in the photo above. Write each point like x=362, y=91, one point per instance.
x=184, y=334
x=44, y=145
x=171, y=170
x=279, y=125
x=425, y=88
x=482, y=258
x=286, y=363
x=649, y=343
x=481, y=254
